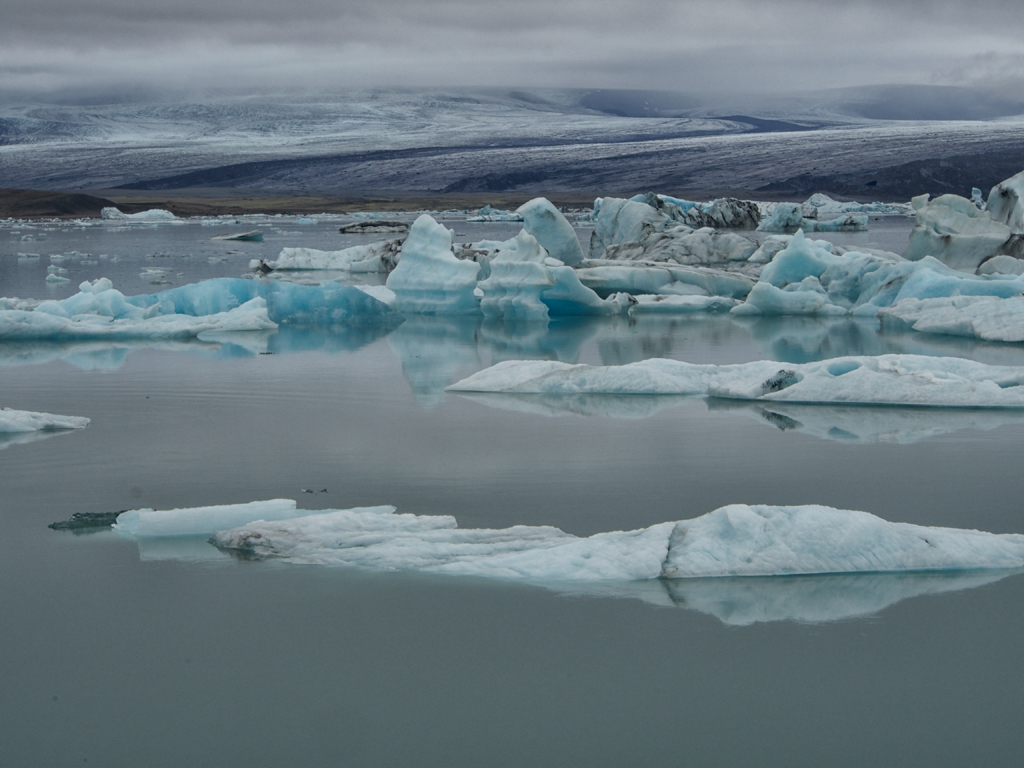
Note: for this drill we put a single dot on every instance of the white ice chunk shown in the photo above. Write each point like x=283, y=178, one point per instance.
x=1006, y=202
x=429, y=279
x=32, y=421
x=154, y=214
x=551, y=229
x=197, y=521
x=882, y=380
x=518, y=278
x=737, y=540
x=374, y=257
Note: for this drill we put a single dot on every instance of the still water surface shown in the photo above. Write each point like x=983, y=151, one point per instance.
x=112, y=656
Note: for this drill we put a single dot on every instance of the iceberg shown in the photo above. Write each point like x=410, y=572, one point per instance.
x=789, y=217
x=375, y=257
x=152, y=215
x=551, y=229
x=429, y=279
x=648, y=228
x=806, y=277
x=683, y=245
x=906, y=380
x=99, y=311
x=953, y=230
x=12, y=421
x=820, y=205
x=737, y=540
x=518, y=278
x=489, y=214
x=1006, y=203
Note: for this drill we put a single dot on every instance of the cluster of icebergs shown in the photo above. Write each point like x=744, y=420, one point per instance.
x=881, y=562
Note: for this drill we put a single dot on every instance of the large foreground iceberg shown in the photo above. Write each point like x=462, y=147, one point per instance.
x=12, y=421
x=737, y=540
x=908, y=380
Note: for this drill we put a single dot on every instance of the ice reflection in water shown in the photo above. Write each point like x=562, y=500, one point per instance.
x=733, y=601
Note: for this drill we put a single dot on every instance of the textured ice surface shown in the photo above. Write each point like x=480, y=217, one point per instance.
x=806, y=277
x=736, y=540
x=429, y=279
x=32, y=421
x=883, y=380
x=953, y=230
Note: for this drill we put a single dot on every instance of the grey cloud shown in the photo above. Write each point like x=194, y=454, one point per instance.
x=760, y=45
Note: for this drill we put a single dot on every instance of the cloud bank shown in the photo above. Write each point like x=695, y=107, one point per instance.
x=50, y=46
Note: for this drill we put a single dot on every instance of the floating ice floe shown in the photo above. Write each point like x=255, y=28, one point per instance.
x=99, y=311
x=154, y=214
x=981, y=317
x=374, y=257
x=811, y=563
x=647, y=227
x=32, y=421
x=906, y=380
x=610, y=277
x=736, y=540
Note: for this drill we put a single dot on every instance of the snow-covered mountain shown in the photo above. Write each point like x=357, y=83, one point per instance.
x=480, y=140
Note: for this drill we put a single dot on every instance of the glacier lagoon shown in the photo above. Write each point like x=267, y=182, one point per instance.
x=190, y=656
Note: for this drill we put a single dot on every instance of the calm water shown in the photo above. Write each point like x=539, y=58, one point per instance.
x=112, y=656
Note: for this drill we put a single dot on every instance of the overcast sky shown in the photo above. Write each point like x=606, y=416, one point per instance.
x=731, y=45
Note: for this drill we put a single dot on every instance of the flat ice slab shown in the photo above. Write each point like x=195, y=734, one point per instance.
x=737, y=540
x=32, y=421
x=914, y=380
